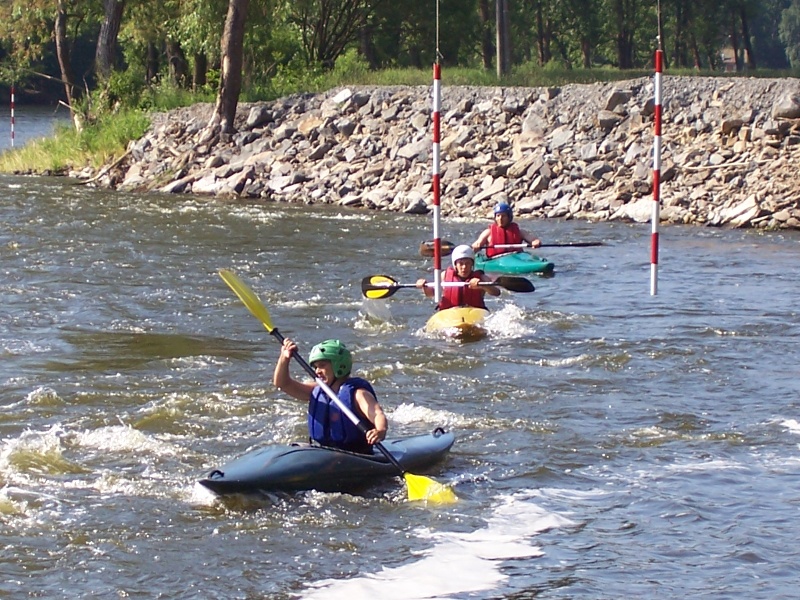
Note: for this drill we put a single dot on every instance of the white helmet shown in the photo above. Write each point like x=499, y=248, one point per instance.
x=462, y=251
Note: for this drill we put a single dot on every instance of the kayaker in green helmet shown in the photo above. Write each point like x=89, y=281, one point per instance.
x=503, y=231
x=327, y=424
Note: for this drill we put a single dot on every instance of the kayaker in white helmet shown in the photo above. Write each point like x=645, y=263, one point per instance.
x=462, y=269
x=503, y=231
x=327, y=423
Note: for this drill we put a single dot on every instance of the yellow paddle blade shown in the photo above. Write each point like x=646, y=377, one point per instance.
x=248, y=297
x=425, y=488
x=376, y=294
x=376, y=287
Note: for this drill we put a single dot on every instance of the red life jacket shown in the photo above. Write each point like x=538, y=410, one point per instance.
x=503, y=235
x=462, y=295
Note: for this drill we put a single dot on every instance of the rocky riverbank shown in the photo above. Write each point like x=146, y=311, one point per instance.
x=730, y=151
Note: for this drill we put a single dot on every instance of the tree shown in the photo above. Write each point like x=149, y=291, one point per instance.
x=487, y=46
x=765, y=28
x=503, y=38
x=107, y=40
x=544, y=32
x=71, y=89
x=327, y=27
x=744, y=21
x=789, y=31
x=42, y=29
x=230, y=84
x=624, y=28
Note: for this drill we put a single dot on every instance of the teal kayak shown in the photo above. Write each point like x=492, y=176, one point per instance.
x=514, y=263
x=303, y=466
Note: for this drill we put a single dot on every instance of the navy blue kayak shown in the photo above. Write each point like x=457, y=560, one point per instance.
x=303, y=466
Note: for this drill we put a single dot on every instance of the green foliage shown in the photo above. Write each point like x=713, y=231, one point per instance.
x=111, y=133
x=121, y=87
x=295, y=75
x=790, y=33
x=199, y=25
x=99, y=143
x=528, y=74
x=350, y=65
x=165, y=96
x=126, y=90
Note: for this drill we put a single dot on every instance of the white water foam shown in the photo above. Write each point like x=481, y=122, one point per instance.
x=376, y=309
x=410, y=413
x=457, y=563
x=792, y=425
x=508, y=322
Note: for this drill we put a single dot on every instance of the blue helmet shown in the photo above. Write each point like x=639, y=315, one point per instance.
x=504, y=207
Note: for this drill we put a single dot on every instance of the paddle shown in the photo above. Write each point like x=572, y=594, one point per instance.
x=426, y=248
x=383, y=286
x=419, y=487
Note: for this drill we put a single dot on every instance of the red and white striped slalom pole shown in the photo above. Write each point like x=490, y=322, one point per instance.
x=12, y=115
x=656, y=176
x=437, y=242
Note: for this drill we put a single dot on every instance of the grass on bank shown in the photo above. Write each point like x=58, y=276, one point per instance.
x=107, y=137
x=98, y=144
x=101, y=141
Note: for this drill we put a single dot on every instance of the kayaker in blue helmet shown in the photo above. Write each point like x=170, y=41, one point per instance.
x=503, y=231
x=327, y=424
x=462, y=270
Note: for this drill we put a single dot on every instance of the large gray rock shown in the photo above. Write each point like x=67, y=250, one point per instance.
x=729, y=151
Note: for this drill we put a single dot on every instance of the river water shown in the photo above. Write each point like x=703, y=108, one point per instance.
x=30, y=122
x=609, y=443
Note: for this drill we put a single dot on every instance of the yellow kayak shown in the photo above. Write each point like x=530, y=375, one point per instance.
x=460, y=321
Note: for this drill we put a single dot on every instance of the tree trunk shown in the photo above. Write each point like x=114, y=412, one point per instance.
x=698, y=64
x=507, y=36
x=750, y=57
x=107, y=39
x=230, y=84
x=503, y=51
x=200, y=70
x=624, y=17
x=71, y=90
x=415, y=56
x=487, y=48
x=543, y=34
x=679, y=56
x=368, y=46
x=586, y=53
x=735, y=45
x=178, y=65
x=151, y=63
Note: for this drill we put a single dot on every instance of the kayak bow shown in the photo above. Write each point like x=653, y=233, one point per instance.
x=465, y=322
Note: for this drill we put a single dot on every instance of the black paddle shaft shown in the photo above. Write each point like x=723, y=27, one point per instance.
x=510, y=283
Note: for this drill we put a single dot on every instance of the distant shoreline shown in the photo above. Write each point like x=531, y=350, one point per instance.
x=579, y=151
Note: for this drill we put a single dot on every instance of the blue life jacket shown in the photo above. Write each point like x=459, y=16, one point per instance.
x=329, y=426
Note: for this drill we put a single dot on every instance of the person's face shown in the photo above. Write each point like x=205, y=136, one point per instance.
x=324, y=371
x=502, y=219
x=464, y=267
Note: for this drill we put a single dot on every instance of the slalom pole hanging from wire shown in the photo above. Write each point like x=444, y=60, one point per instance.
x=656, y=217
x=436, y=179
x=12, y=113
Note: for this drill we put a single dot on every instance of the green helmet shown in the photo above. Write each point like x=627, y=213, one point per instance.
x=334, y=351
